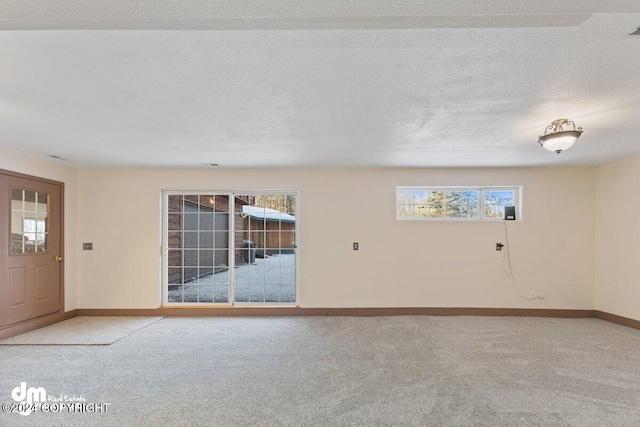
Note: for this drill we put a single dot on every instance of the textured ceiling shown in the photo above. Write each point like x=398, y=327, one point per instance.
x=291, y=83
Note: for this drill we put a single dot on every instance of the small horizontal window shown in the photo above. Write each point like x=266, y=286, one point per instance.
x=463, y=203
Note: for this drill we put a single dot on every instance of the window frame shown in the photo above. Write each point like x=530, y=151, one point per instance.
x=517, y=196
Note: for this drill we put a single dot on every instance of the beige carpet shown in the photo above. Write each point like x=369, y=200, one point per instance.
x=341, y=371
x=82, y=330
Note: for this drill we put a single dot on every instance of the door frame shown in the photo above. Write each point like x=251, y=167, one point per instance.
x=61, y=301
x=295, y=193
x=164, y=248
x=164, y=277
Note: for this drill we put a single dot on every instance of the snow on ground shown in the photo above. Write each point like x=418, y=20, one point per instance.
x=271, y=279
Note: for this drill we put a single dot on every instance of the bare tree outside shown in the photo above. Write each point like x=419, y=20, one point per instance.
x=281, y=203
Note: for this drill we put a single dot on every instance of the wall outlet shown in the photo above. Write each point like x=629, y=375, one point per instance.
x=355, y=246
x=499, y=246
x=533, y=295
x=87, y=246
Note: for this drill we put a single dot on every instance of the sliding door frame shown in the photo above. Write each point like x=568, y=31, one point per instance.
x=296, y=249
x=165, y=248
x=232, y=248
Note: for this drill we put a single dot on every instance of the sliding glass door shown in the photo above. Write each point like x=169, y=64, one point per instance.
x=228, y=248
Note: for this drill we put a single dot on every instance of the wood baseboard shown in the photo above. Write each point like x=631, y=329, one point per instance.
x=459, y=311
x=614, y=318
x=205, y=311
x=41, y=322
x=299, y=311
x=37, y=323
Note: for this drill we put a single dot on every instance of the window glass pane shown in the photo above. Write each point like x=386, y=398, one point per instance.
x=221, y=240
x=272, y=293
x=221, y=258
x=207, y=203
x=206, y=240
x=175, y=258
x=190, y=239
x=206, y=221
x=190, y=221
x=17, y=196
x=272, y=275
x=221, y=277
x=436, y=203
x=420, y=197
x=175, y=239
x=205, y=293
x=287, y=260
x=241, y=292
x=404, y=197
x=175, y=222
x=495, y=201
x=256, y=293
x=221, y=221
x=221, y=294
x=205, y=276
x=29, y=221
x=190, y=258
x=18, y=239
x=175, y=203
x=222, y=204
x=287, y=293
x=190, y=203
x=190, y=293
x=287, y=276
x=256, y=276
x=29, y=201
x=175, y=276
x=463, y=203
x=175, y=293
x=425, y=211
x=190, y=275
x=206, y=258
x=405, y=211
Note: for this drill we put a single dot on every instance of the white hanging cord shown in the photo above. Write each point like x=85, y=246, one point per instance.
x=506, y=263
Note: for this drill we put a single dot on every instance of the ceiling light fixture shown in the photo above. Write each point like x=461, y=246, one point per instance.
x=556, y=138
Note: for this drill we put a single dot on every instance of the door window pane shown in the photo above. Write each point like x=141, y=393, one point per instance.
x=29, y=221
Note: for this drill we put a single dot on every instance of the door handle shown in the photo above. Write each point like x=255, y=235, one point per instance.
x=57, y=258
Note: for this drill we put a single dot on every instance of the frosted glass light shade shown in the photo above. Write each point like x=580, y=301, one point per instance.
x=559, y=141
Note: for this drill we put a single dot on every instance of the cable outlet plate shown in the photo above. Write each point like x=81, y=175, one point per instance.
x=533, y=295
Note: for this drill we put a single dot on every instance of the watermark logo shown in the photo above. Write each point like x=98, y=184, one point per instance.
x=35, y=399
x=28, y=396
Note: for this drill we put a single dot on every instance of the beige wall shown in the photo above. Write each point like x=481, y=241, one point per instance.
x=618, y=238
x=17, y=162
x=399, y=264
